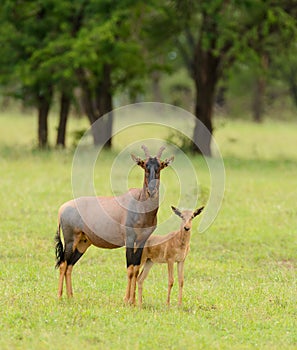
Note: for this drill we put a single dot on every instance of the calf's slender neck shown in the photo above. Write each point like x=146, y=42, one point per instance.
x=184, y=236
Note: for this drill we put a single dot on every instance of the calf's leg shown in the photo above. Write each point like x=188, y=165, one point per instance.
x=170, y=279
x=180, y=273
x=140, y=279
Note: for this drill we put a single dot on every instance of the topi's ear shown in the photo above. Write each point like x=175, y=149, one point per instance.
x=138, y=160
x=197, y=211
x=167, y=162
x=176, y=211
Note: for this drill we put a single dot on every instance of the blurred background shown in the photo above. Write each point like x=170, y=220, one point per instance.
x=218, y=59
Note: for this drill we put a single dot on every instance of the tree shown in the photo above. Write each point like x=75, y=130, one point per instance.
x=28, y=24
x=65, y=102
x=212, y=36
x=58, y=45
x=284, y=67
x=113, y=61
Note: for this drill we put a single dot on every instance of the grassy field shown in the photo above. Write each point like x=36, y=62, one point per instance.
x=240, y=276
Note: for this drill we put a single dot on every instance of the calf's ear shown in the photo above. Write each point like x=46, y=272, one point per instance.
x=197, y=211
x=176, y=211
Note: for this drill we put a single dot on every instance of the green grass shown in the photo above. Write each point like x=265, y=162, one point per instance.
x=240, y=276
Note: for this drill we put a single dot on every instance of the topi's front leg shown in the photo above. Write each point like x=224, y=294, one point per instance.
x=133, y=284
x=130, y=256
x=129, y=261
x=129, y=281
x=133, y=266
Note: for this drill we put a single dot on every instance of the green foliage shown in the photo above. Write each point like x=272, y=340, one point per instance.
x=178, y=88
x=235, y=30
x=284, y=67
x=52, y=39
x=45, y=44
x=77, y=135
x=181, y=140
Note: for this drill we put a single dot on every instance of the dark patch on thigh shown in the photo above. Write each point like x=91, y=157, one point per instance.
x=75, y=256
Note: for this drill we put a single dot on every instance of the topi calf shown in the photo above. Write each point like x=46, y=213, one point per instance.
x=171, y=248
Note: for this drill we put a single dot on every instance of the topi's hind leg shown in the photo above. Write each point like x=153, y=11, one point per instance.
x=68, y=281
x=73, y=259
x=80, y=245
x=63, y=268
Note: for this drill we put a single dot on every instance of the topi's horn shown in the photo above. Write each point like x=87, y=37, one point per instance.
x=160, y=152
x=146, y=151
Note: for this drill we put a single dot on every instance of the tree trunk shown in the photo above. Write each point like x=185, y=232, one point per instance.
x=87, y=102
x=104, y=106
x=108, y=131
x=259, y=92
x=156, y=89
x=258, y=100
x=97, y=107
x=220, y=98
x=292, y=80
x=206, y=78
x=203, y=127
x=42, y=126
x=64, y=111
x=44, y=102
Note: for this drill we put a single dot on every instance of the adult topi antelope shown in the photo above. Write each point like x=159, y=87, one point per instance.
x=111, y=222
x=170, y=248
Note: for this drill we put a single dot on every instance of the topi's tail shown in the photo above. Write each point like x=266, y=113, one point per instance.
x=59, y=248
